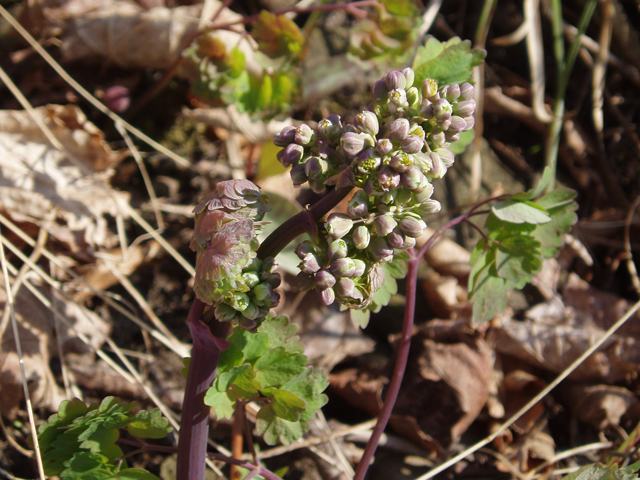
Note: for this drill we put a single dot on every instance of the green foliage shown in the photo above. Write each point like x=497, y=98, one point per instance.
x=449, y=62
x=268, y=366
x=521, y=233
x=79, y=442
x=278, y=36
x=598, y=471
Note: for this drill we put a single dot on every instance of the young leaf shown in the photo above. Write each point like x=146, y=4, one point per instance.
x=520, y=212
x=598, y=471
x=278, y=36
x=149, y=424
x=489, y=298
x=448, y=63
x=275, y=429
x=277, y=365
x=285, y=404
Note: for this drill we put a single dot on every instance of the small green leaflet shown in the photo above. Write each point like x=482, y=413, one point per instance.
x=80, y=440
x=269, y=366
x=598, y=471
x=448, y=63
x=521, y=234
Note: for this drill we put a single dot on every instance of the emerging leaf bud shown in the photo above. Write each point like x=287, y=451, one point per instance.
x=358, y=205
x=396, y=80
x=342, y=267
x=338, y=225
x=399, y=129
x=338, y=249
x=412, y=144
x=291, y=154
x=466, y=91
x=345, y=287
x=304, y=135
x=384, y=224
x=352, y=143
x=367, y=122
x=325, y=280
x=412, y=226
x=285, y=137
x=361, y=237
x=409, y=75
x=327, y=296
x=330, y=127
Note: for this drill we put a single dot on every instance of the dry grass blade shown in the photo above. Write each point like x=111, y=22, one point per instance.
x=600, y=66
x=85, y=94
x=631, y=266
x=543, y=393
x=16, y=335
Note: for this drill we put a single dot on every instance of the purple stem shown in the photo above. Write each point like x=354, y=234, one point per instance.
x=405, y=342
x=208, y=343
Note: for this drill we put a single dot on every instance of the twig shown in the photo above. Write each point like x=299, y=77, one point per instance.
x=631, y=266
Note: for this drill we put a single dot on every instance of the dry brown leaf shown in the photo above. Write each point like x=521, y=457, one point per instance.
x=36, y=178
x=600, y=405
x=444, y=294
x=446, y=256
x=38, y=347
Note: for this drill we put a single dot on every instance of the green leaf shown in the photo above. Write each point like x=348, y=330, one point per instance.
x=276, y=366
x=236, y=62
x=149, y=424
x=518, y=259
x=448, y=63
x=465, y=139
x=88, y=466
x=309, y=386
x=239, y=382
x=278, y=36
x=275, y=429
x=551, y=235
x=285, y=404
x=281, y=333
x=135, y=474
x=557, y=198
x=598, y=471
x=489, y=298
x=360, y=318
x=520, y=212
x=401, y=8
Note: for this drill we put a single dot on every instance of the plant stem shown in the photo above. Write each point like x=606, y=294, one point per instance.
x=208, y=342
x=304, y=222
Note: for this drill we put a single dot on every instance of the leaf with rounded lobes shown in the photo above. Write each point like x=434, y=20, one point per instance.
x=285, y=404
x=359, y=318
x=281, y=333
x=309, y=386
x=277, y=36
x=276, y=366
x=149, y=424
x=448, y=63
x=88, y=466
x=135, y=474
x=275, y=429
x=598, y=471
x=239, y=382
x=520, y=212
x=489, y=297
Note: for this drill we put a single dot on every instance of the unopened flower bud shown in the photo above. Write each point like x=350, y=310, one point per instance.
x=316, y=185
x=286, y=136
x=409, y=242
x=426, y=109
x=381, y=249
x=413, y=97
x=409, y=75
x=466, y=91
x=442, y=110
x=471, y=121
x=412, y=226
x=367, y=122
x=250, y=279
x=325, y=280
x=305, y=281
x=358, y=206
x=327, y=296
x=395, y=238
x=438, y=169
x=291, y=154
x=304, y=249
x=429, y=207
x=338, y=249
x=388, y=178
x=398, y=97
x=338, y=225
x=352, y=143
x=315, y=167
x=298, y=175
x=361, y=237
x=384, y=146
x=411, y=144
x=400, y=163
x=262, y=292
x=224, y=312
x=383, y=225
x=424, y=195
x=330, y=127
x=345, y=287
x=451, y=137
x=379, y=92
x=412, y=177
x=395, y=80
x=399, y=129
x=464, y=108
x=453, y=92
x=360, y=268
x=457, y=125
x=438, y=137
x=304, y=135
x=310, y=263
x=342, y=267
x=429, y=89
x=240, y=301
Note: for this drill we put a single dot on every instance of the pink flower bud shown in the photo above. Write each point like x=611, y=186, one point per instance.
x=352, y=143
x=325, y=280
x=338, y=225
x=327, y=296
x=412, y=144
x=399, y=129
x=285, y=137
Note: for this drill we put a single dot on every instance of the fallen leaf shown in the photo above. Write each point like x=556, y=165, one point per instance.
x=600, y=405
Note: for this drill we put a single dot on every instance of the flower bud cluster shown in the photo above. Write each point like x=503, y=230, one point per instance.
x=391, y=152
x=228, y=274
